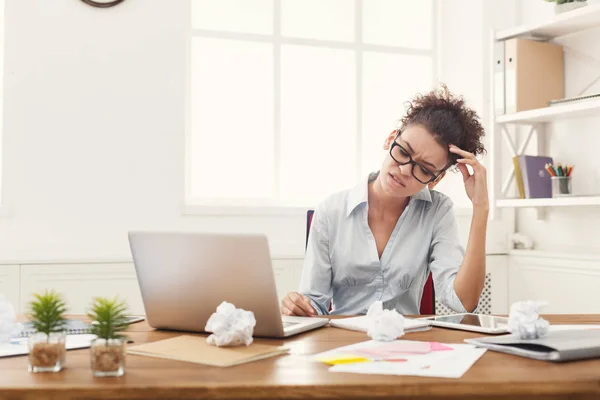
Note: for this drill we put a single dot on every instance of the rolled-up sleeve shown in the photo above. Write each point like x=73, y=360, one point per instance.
x=316, y=272
x=446, y=256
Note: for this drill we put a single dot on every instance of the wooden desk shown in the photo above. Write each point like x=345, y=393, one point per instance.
x=495, y=375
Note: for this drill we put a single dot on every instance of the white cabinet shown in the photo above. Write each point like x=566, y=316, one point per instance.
x=9, y=284
x=79, y=283
x=568, y=282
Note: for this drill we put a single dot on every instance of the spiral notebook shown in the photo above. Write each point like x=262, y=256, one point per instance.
x=72, y=327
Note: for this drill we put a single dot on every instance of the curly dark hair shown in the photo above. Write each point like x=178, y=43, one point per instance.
x=448, y=118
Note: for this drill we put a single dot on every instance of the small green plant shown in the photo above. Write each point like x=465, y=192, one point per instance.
x=109, y=318
x=47, y=312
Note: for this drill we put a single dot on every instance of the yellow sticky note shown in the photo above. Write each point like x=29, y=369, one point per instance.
x=342, y=359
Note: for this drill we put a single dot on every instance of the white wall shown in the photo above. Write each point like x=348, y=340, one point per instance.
x=465, y=55
x=93, y=131
x=574, y=230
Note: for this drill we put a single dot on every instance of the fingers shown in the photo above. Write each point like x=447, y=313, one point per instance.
x=468, y=159
x=296, y=304
x=459, y=151
x=476, y=165
x=285, y=310
x=311, y=310
x=304, y=303
x=465, y=172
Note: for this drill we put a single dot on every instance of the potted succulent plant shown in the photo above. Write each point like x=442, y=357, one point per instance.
x=107, y=351
x=47, y=346
x=567, y=5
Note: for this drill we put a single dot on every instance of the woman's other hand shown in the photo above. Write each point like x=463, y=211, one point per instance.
x=297, y=304
x=475, y=183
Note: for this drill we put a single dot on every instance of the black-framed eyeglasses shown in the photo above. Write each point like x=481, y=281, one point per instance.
x=418, y=171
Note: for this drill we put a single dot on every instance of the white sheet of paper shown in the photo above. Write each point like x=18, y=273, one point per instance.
x=435, y=364
x=441, y=364
x=73, y=342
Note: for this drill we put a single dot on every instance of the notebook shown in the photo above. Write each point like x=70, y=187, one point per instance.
x=195, y=349
x=561, y=345
x=72, y=327
x=361, y=324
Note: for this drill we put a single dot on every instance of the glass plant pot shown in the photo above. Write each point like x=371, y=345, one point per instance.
x=47, y=353
x=108, y=357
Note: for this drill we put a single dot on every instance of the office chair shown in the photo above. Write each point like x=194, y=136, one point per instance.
x=427, y=301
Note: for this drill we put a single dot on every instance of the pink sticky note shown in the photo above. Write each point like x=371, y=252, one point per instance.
x=397, y=348
x=435, y=346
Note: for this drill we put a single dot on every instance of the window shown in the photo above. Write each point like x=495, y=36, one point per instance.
x=1, y=87
x=291, y=100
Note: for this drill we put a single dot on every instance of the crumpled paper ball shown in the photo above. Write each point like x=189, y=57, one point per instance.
x=524, y=319
x=230, y=326
x=385, y=325
x=8, y=321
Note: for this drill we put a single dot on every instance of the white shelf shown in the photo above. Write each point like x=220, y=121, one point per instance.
x=562, y=24
x=583, y=108
x=550, y=202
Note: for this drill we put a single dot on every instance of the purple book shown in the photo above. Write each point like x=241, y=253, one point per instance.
x=536, y=179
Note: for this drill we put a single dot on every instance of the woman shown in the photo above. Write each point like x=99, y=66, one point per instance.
x=380, y=239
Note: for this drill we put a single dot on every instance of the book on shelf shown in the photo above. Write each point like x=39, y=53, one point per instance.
x=535, y=179
x=518, y=177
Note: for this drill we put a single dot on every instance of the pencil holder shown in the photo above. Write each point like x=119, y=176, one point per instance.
x=561, y=186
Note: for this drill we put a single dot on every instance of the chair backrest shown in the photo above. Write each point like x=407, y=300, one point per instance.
x=427, y=301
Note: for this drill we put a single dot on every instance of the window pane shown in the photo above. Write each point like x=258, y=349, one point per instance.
x=232, y=119
x=247, y=16
x=318, y=19
x=389, y=81
x=318, y=139
x=405, y=23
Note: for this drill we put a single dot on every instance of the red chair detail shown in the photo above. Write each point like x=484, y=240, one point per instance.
x=427, y=301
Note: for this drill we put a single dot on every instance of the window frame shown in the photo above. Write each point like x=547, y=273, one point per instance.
x=272, y=206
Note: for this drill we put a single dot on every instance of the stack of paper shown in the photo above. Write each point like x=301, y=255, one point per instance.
x=403, y=357
x=363, y=322
x=195, y=349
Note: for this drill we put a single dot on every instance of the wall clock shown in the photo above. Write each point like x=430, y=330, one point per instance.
x=102, y=3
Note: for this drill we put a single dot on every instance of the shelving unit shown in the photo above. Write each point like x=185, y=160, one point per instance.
x=585, y=108
x=571, y=22
x=553, y=202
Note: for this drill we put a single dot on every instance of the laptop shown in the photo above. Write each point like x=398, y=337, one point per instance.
x=183, y=277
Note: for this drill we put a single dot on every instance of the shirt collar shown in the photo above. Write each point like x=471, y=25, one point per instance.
x=359, y=194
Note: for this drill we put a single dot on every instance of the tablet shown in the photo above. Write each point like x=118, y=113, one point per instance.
x=471, y=322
